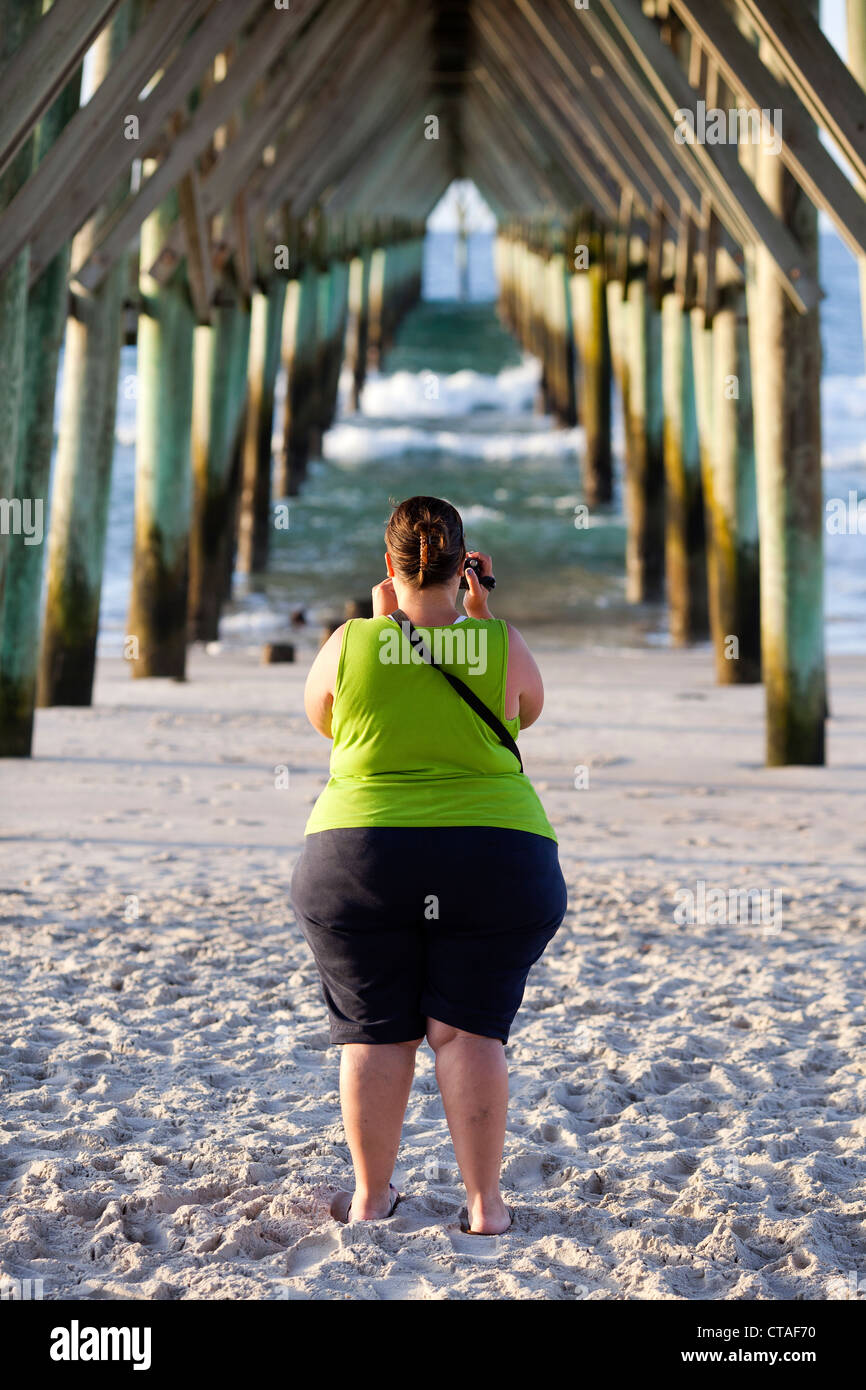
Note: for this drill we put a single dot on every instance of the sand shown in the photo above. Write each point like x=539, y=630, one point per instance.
x=687, y=1116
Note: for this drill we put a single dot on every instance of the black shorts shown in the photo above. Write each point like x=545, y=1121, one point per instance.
x=411, y=924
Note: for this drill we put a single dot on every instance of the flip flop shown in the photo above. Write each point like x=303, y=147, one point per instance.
x=464, y=1224
x=342, y=1205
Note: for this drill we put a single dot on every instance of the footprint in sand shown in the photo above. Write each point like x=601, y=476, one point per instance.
x=530, y=1170
x=310, y=1252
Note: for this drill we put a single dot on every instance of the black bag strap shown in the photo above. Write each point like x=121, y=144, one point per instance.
x=463, y=690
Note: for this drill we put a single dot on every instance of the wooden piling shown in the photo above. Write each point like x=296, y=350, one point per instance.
x=358, y=323
x=559, y=336
x=724, y=400
x=644, y=471
x=46, y=316
x=85, y=450
x=17, y=20
x=376, y=319
x=339, y=314
x=593, y=370
x=299, y=348
x=539, y=334
x=503, y=270
x=219, y=358
x=786, y=389
x=330, y=334
x=239, y=374
x=685, y=556
x=254, y=529
x=157, y=623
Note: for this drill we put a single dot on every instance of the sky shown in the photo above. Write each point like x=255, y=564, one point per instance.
x=479, y=218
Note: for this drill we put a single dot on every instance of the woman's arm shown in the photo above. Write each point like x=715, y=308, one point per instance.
x=524, y=689
x=322, y=681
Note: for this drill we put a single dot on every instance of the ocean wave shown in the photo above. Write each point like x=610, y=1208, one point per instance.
x=351, y=444
x=430, y=395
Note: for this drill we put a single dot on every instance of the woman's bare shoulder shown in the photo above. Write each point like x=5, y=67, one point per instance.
x=517, y=644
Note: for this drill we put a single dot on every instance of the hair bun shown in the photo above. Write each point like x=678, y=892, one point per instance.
x=425, y=538
x=430, y=528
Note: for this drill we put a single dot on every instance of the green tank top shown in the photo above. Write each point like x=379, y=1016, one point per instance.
x=407, y=750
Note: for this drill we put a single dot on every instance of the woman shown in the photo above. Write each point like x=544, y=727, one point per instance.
x=429, y=882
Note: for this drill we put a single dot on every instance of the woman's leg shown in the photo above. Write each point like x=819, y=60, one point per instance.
x=473, y=1080
x=375, y=1081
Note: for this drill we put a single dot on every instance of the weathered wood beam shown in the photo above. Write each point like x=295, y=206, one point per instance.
x=401, y=115
x=270, y=36
x=39, y=72
x=310, y=184
x=826, y=87
x=235, y=164
x=802, y=151
x=242, y=241
x=335, y=104
x=555, y=184
x=687, y=178
x=554, y=168
x=525, y=189
x=383, y=174
x=543, y=89
x=197, y=245
x=36, y=206
x=309, y=71
x=542, y=185
x=602, y=94
x=527, y=132
x=732, y=189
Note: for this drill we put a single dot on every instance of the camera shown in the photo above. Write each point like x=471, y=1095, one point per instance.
x=486, y=580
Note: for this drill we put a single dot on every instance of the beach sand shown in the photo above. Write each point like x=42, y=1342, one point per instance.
x=688, y=1107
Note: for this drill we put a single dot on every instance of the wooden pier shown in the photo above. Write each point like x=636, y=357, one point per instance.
x=249, y=183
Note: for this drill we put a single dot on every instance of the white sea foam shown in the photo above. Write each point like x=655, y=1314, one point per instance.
x=348, y=443
x=429, y=395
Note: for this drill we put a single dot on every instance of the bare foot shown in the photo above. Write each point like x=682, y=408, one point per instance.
x=373, y=1206
x=488, y=1216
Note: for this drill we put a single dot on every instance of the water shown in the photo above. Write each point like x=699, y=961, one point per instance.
x=454, y=416
x=459, y=426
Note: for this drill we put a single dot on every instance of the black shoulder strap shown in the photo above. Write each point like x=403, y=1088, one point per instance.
x=463, y=690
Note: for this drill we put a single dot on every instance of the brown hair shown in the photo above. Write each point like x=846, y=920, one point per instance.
x=424, y=537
